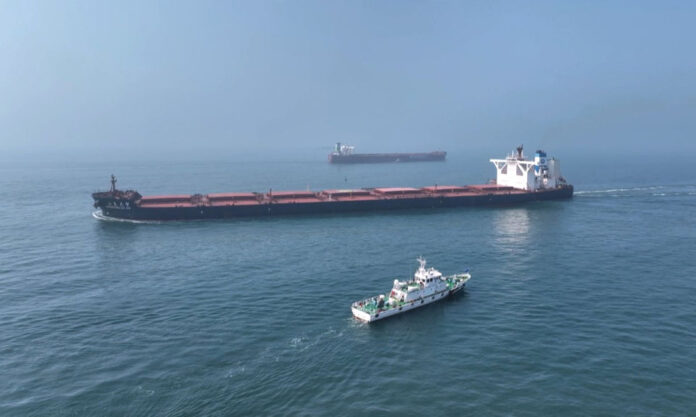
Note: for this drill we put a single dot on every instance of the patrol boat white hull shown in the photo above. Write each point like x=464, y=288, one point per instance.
x=428, y=286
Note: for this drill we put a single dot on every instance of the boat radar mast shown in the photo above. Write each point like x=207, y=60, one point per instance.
x=422, y=262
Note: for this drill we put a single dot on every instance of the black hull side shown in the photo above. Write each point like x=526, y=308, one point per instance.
x=275, y=209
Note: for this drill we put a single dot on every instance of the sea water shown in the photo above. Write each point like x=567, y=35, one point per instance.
x=577, y=307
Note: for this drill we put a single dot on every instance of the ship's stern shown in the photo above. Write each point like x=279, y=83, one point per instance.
x=362, y=315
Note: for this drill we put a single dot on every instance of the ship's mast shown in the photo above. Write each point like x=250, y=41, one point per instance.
x=113, y=183
x=519, y=152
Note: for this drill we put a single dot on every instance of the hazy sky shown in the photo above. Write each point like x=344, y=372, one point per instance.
x=142, y=76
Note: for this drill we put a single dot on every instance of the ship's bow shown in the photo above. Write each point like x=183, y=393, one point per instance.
x=116, y=203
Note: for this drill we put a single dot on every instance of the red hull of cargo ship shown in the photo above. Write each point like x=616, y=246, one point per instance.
x=132, y=206
x=370, y=158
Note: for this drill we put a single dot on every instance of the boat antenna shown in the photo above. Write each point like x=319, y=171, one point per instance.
x=113, y=183
x=519, y=151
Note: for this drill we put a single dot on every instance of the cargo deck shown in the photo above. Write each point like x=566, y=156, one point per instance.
x=524, y=181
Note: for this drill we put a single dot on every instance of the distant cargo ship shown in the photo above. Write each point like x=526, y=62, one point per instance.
x=343, y=154
x=518, y=180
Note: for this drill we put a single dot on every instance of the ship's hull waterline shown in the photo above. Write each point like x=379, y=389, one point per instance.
x=303, y=205
x=518, y=181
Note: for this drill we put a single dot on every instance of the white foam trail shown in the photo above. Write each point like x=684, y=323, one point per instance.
x=656, y=191
x=100, y=216
x=618, y=190
x=296, y=341
x=235, y=370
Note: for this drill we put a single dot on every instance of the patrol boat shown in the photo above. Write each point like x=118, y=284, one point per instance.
x=427, y=286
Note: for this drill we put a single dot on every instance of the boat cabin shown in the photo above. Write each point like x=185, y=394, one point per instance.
x=426, y=282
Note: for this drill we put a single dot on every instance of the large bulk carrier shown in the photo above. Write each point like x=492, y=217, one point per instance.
x=343, y=154
x=518, y=180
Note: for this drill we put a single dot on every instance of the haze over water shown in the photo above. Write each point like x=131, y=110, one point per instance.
x=210, y=78
x=580, y=307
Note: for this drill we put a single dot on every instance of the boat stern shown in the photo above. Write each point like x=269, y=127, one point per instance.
x=362, y=315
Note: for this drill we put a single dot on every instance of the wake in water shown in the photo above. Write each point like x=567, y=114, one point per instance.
x=100, y=216
x=618, y=190
x=287, y=351
x=658, y=191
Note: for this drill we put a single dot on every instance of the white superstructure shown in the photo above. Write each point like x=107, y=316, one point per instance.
x=341, y=149
x=427, y=286
x=518, y=172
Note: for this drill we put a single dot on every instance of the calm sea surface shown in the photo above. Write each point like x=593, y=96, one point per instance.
x=580, y=307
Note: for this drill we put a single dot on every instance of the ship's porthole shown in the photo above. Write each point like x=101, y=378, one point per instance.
x=421, y=301
x=401, y=308
x=376, y=315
